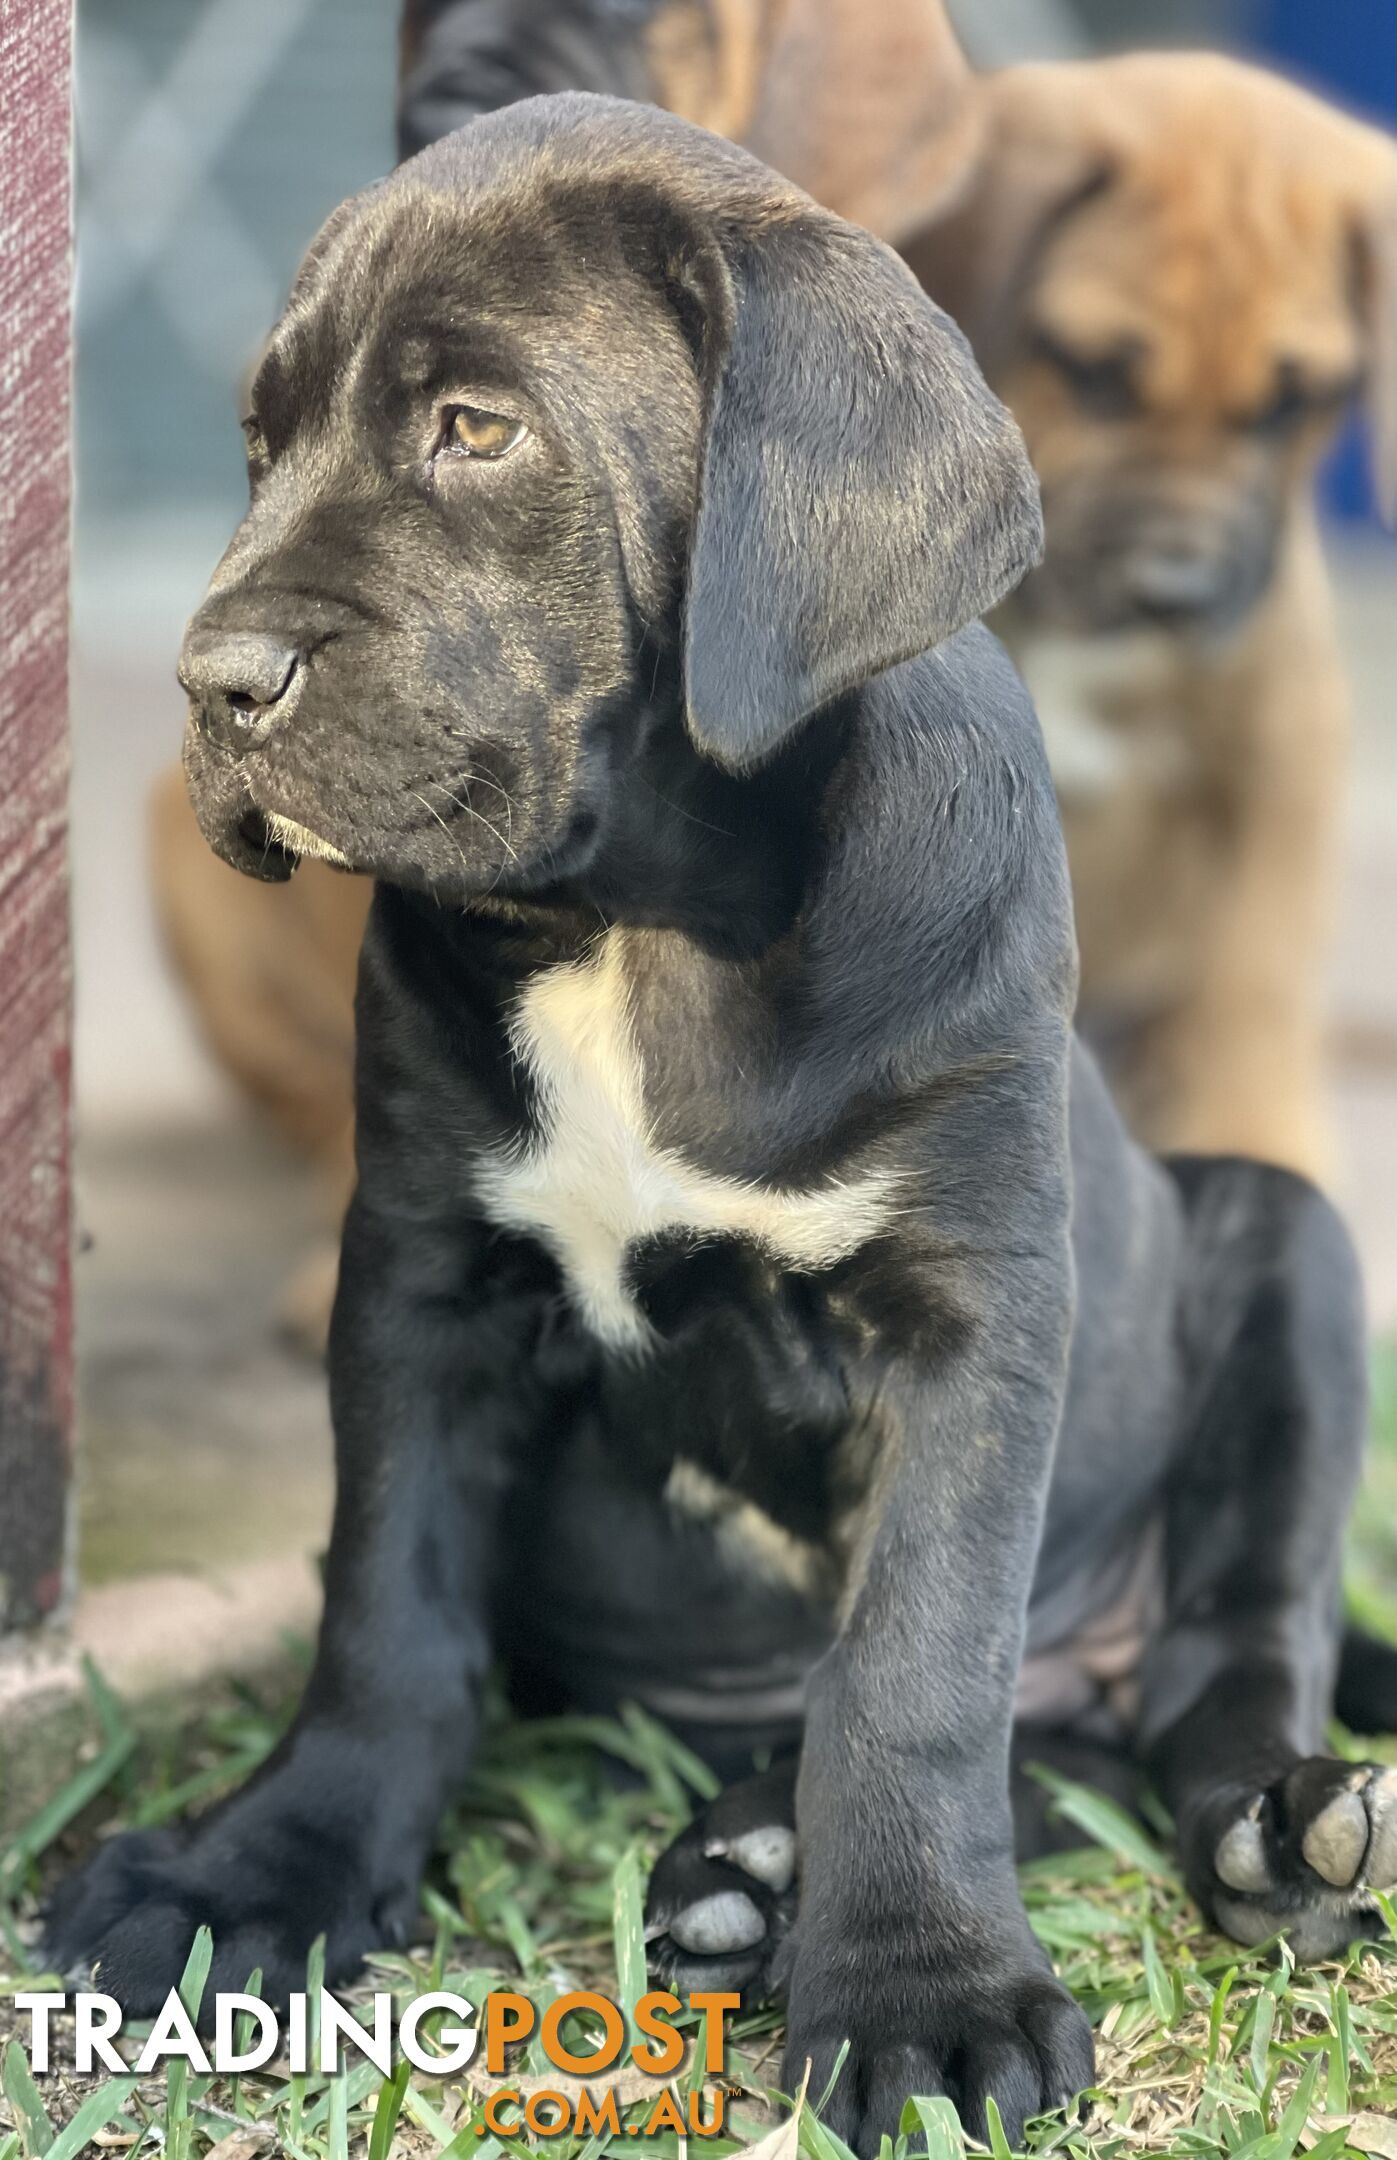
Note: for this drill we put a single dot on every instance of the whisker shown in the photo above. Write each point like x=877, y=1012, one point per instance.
x=468, y=809
x=460, y=852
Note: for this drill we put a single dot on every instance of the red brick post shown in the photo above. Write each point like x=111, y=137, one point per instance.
x=36, y=1381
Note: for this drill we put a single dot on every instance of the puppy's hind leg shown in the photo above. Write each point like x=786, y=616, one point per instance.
x=1275, y=1835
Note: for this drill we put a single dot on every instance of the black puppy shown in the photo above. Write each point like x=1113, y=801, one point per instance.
x=751, y=1304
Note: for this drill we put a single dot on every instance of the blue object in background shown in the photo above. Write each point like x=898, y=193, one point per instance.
x=1346, y=51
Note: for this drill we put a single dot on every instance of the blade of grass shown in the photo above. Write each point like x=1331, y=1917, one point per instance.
x=242, y=2038
x=999, y=2143
x=387, y=2111
x=337, y=2122
x=315, y=1981
x=152, y=1809
x=1297, y=2113
x=1263, y=2025
x=179, y=2125
x=1157, y=1982
x=97, y=2110
x=628, y=1934
x=818, y=2140
x=51, y=1820
x=833, y=2079
x=1104, y=1822
x=1329, y=2146
x=938, y=2123
x=19, y=2089
x=1341, y=2054
x=419, y=2107
x=358, y=2084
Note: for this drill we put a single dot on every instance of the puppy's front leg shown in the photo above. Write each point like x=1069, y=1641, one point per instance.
x=911, y=1939
x=430, y=1388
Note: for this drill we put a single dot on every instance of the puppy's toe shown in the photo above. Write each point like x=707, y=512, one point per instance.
x=719, y=1925
x=767, y=1852
x=1240, y=1858
x=1302, y=1859
x=1337, y=1839
x=1380, y=1860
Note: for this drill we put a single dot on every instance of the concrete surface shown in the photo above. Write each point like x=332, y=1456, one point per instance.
x=204, y=1439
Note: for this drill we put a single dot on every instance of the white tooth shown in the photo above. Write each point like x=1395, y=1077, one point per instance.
x=300, y=840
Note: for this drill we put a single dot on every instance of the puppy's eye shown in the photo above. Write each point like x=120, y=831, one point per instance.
x=1101, y=383
x=1283, y=412
x=484, y=434
x=1295, y=400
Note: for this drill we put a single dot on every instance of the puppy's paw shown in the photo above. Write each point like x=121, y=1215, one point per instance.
x=722, y=1896
x=1015, y=2036
x=130, y=1915
x=1303, y=1857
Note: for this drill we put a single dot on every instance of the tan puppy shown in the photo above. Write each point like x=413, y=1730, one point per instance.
x=1178, y=271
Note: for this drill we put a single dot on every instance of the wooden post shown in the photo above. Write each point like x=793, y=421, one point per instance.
x=36, y=1384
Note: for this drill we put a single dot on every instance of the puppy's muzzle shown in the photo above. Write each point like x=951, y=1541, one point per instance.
x=241, y=685
x=1177, y=585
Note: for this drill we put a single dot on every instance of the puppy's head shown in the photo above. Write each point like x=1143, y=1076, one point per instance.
x=580, y=402
x=1178, y=271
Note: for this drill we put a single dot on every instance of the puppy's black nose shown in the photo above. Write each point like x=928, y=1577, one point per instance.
x=240, y=683
x=1174, y=585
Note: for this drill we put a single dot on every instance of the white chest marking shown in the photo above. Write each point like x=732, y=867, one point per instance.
x=1077, y=684
x=595, y=1180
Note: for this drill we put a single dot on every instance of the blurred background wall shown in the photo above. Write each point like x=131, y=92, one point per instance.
x=213, y=136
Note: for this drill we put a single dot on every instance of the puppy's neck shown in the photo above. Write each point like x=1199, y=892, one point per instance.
x=721, y=858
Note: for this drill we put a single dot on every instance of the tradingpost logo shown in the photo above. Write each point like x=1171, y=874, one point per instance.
x=595, y=2080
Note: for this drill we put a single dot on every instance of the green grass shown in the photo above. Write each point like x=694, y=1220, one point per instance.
x=1202, y=2048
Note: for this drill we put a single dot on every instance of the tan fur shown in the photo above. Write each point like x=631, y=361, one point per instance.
x=1243, y=222
x=867, y=104
x=746, y=1534
x=1203, y=894
x=270, y=973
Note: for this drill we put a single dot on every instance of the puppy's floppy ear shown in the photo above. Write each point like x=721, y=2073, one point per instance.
x=861, y=495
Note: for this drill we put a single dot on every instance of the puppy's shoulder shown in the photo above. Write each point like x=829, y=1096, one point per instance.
x=949, y=861
x=965, y=706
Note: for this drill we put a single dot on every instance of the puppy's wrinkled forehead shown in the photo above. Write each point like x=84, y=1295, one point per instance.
x=545, y=213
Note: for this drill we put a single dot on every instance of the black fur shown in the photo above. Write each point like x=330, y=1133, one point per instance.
x=830, y=876
x=462, y=58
